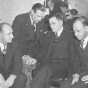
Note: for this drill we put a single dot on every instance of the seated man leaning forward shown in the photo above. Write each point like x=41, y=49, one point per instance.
x=10, y=61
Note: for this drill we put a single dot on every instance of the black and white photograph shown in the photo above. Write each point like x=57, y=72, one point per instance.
x=43, y=43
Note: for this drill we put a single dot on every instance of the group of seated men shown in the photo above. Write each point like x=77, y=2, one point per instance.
x=56, y=39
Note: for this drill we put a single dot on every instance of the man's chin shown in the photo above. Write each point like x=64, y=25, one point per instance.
x=79, y=39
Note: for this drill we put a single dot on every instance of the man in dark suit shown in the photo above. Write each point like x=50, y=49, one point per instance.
x=58, y=52
x=79, y=55
x=43, y=34
x=24, y=27
x=57, y=58
x=10, y=60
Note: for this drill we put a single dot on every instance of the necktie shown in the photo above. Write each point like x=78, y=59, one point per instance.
x=4, y=50
x=83, y=44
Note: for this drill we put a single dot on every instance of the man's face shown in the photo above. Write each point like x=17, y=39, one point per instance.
x=55, y=24
x=38, y=16
x=79, y=30
x=7, y=34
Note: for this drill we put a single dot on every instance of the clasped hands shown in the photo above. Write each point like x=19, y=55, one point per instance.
x=7, y=83
x=76, y=78
x=28, y=60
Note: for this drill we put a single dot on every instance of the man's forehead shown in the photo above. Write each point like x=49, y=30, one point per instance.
x=39, y=12
x=78, y=23
x=53, y=18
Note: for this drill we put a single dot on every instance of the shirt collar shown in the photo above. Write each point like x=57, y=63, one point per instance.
x=84, y=43
x=59, y=32
x=86, y=39
x=32, y=22
x=2, y=46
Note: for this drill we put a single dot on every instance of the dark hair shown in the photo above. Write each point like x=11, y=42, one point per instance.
x=2, y=24
x=38, y=6
x=60, y=3
x=83, y=19
x=57, y=15
x=57, y=6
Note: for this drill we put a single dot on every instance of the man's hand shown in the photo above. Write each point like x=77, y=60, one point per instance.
x=85, y=79
x=10, y=81
x=28, y=60
x=75, y=78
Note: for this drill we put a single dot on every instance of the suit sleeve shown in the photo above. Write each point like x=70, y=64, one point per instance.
x=74, y=59
x=17, y=67
x=16, y=27
x=49, y=53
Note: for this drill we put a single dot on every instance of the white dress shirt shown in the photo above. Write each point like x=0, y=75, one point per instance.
x=84, y=43
x=59, y=32
x=33, y=23
x=3, y=48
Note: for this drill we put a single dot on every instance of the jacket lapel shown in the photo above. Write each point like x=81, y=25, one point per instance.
x=8, y=56
x=86, y=50
x=1, y=59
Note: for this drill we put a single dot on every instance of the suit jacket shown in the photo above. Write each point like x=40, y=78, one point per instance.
x=81, y=57
x=10, y=63
x=24, y=33
x=78, y=64
x=58, y=54
x=43, y=43
x=43, y=38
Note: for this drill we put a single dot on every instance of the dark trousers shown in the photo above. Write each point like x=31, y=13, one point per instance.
x=42, y=77
x=47, y=73
x=20, y=82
